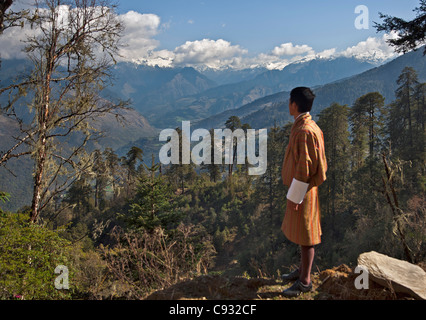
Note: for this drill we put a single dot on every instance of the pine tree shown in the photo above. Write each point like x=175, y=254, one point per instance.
x=419, y=130
x=367, y=118
x=101, y=179
x=181, y=174
x=404, y=94
x=78, y=195
x=112, y=164
x=406, y=125
x=333, y=121
x=153, y=204
x=400, y=126
x=129, y=163
x=232, y=123
x=411, y=34
x=269, y=187
x=358, y=131
x=214, y=170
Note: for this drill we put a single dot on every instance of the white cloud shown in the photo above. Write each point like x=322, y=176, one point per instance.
x=372, y=49
x=283, y=55
x=328, y=53
x=209, y=53
x=161, y=58
x=138, y=39
x=288, y=49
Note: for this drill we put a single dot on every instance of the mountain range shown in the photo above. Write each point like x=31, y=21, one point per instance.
x=180, y=94
x=272, y=109
x=264, y=112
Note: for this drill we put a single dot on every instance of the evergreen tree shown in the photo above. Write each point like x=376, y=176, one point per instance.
x=407, y=82
x=411, y=34
x=153, y=204
x=214, y=170
x=333, y=121
x=101, y=179
x=79, y=195
x=367, y=135
x=129, y=163
x=367, y=119
x=180, y=173
x=419, y=130
x=232, y=123
x=358, y=135
x=269, y=187
x=112, y=165
x=406, y=126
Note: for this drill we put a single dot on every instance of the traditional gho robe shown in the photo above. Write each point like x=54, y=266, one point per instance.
x=304, y=169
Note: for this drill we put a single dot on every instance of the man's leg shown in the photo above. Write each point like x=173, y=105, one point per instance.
x=303, y=284
x=307, y=258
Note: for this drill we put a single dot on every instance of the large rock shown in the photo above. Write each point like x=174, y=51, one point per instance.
x=399, y=275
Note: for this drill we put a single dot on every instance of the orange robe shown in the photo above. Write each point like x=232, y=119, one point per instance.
x=304, y=161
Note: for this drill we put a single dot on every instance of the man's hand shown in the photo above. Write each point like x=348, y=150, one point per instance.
x=294, y=206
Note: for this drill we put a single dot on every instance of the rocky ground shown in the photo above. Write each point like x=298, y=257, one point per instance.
x=330, y=284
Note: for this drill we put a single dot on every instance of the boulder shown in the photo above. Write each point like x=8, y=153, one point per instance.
x=398, y=275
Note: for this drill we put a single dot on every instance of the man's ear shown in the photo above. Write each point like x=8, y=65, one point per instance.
x=294, y=106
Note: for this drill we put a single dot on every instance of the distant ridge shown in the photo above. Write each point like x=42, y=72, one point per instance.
x=265, y=111
x=232, y=96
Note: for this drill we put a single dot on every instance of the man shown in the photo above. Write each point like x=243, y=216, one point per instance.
x=304, y=169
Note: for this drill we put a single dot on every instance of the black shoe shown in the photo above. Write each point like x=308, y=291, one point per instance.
x=296, y=289
x=291, y=276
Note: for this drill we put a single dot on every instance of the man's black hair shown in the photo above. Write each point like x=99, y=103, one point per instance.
x=303, y=97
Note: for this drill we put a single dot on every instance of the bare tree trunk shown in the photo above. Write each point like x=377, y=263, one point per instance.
x=41, y=152
x=35, y=207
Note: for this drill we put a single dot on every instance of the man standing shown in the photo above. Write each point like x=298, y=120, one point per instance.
x=304, y=169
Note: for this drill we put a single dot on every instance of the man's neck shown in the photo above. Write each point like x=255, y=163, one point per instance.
x=299, y=114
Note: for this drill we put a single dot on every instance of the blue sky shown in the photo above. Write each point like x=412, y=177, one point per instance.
x=259, y=26
x=242, y=34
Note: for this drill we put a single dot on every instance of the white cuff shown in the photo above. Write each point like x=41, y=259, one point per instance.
x=297, y=191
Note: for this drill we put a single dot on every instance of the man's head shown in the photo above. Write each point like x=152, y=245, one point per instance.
x=301, y=100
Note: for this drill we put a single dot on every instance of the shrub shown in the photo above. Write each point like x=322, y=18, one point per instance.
x=144, y=261
x=29, y=254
